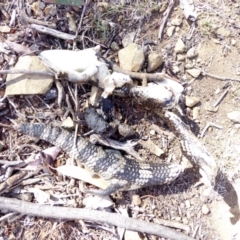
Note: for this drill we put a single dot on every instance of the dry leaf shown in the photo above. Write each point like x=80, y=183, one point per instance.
x=96, y=202
x=41, y=196
x=18, y=48
x=82, y=174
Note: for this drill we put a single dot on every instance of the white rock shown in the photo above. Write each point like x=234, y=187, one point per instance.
x=175, y=69
x=18, y=84
x=233, y=42
x=191, y=53
x=176, y=22
x=170, y=31
x=205, y=209
x=180, y=46
x=195, y=112
x=181, y=57
x=188, y=65
x=68, y=123
x=152, y=132
x=129, y=38
x=131, y=58
x=234, y=116
x=154, y=61
x=131, y=235
x=191, y=101
x=194, y=72
x=187, y=203
x=5, y=29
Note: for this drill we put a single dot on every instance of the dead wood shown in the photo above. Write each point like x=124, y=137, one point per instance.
x=90, y=215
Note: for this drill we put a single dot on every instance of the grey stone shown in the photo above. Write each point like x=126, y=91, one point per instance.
x=114, y=46
x=129, y=38
x=176, y=22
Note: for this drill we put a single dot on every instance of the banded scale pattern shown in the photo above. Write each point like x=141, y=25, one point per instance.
x=192, y=148
x=122, y=173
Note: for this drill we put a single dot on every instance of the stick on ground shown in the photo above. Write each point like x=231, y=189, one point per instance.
x=90, y=215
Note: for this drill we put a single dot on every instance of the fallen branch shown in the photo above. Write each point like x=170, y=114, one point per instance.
x=221, y=98
x=27, y=19
x=53, y=32
x=172, y=224
x=90, y=215
x=209, y=124
x=218, y=77
x=165, y=17
x=151, y=77
x=21, y=71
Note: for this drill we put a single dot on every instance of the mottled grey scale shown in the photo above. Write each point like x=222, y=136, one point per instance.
x=109, y=164
x=159, y=175
x=192, y=147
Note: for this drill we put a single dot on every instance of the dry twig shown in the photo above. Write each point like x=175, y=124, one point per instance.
x=220, y=78
x=151, y=77
x=22, y=71
x=53, y=32
x=165, y=17
x=221, y=98
x=27, y=19
x=90, y=215
x=209, y=124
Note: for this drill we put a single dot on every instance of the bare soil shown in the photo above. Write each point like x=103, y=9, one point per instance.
x=216, y=38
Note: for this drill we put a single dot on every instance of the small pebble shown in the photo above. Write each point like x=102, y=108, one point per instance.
x=178, y=219
x=187, y=203
x=195, y=112
x=136, y=200
x=234, y=116
x=194, y=72
x=180, y=46
x=68, y=123
x=176, y=22
x=181, y=57
x=233, y=42
x=152, y=132
x=115, y=46
x=191, y=53
x=170, y=31
x=205, y=209
x=191, y=101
